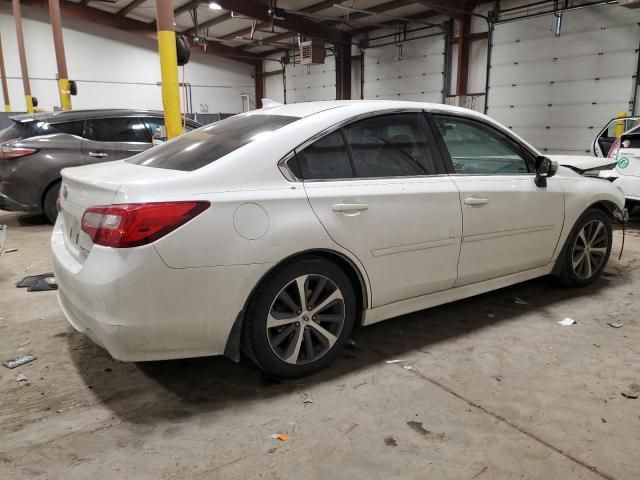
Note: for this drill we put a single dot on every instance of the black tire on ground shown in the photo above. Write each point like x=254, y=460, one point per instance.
x=266, y=303
x=574, y=270
x=49, y=207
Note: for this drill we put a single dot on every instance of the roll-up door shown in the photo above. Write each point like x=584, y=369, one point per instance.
x=412, y=71
x=559, y=91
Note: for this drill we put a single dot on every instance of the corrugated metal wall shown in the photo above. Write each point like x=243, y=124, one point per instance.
x=311, y=83
x=558, y=91
x=414, y=71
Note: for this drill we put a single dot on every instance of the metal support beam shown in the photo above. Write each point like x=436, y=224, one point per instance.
x=168, y=68
x=343, y=72
x=454, y=8
x=94, y=15
x=63, y=76
x=464, y=47
x=17, y=15
x=259, y=77
x=130, y=6
x=294, y=22
x=5, y=89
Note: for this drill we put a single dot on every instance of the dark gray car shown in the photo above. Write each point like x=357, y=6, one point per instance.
x=36, y=147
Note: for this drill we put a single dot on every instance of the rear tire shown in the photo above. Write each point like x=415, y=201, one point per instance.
x=587, y=250
x=49, y=205
x=299, y=318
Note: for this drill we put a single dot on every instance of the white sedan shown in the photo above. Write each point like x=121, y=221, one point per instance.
x=278, y=230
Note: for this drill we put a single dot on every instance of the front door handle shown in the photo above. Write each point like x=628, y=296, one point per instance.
x=476, y=201
x=349, y=207
x=98, y=154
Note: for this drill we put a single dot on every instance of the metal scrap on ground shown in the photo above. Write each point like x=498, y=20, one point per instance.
x=19, y=360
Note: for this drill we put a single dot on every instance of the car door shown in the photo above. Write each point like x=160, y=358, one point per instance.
x=510, y=224
x=115, y=138
x=379, y=188
x=610, y=133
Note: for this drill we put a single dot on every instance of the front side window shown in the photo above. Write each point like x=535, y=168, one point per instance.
x=390, y=146
x=205, y=145
x=478, y=149
x=122, y=129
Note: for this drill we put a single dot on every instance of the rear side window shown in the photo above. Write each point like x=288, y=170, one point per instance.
x=205, y=145
x=123, y=129
x=390, y=146
x=325, y=159
x=72, y=128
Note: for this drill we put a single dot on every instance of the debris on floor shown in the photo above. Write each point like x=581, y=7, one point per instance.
x=394, y=361
x=283, y=437
x=22, y=379
x=567, y=322
x=490, y=316
x=19, y=360
x=632, y=392
x=10, y=250
x=390, y=442
x=519, y=301
x=38, y=283
x=615, y=324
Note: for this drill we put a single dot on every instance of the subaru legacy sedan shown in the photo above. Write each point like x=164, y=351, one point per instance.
x=275, y=232
x=35, y=147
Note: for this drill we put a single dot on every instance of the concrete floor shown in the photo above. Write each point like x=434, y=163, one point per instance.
x=496, y=390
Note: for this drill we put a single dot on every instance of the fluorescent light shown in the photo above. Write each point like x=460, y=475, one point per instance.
x=214, y=6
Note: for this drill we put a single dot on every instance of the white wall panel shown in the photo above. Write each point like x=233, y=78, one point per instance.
x=309, y=83
x=558, y=91
x=416, y=72
x=113, y=68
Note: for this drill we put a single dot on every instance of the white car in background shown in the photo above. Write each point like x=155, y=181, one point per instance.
x=617, y=158
x=278, y=230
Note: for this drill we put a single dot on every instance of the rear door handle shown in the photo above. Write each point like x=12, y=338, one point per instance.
x=349, y=207
x=476, y=201
x=98, y=154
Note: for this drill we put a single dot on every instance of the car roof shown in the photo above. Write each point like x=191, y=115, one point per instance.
x=71, y=115
x=306, y=109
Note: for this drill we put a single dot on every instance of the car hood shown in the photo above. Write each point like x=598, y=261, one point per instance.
x=581, y=162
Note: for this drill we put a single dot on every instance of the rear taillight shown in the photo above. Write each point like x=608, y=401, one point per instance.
x=613, y=151
x=135, y=224
x=7, y=151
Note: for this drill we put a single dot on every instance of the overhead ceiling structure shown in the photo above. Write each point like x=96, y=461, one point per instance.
x=249, y=29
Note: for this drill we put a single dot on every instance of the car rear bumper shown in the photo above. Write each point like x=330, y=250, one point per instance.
x=7, y=203
x=129, y=302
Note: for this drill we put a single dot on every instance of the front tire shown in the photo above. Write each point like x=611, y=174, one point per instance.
x=587, y=250
x=49, y=204
x=299, y=318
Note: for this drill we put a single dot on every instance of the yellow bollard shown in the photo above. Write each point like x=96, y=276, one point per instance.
x=620, y=124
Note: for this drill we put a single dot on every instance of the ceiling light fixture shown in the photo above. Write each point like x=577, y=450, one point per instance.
x=214, y=6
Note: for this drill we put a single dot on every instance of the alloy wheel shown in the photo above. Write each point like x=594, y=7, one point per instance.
x=305, y=319
x=590, y=249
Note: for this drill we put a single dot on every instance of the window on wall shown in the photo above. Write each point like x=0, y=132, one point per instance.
x=390, y=146
x=123, y=129
x=478, y=149
x=325, y=159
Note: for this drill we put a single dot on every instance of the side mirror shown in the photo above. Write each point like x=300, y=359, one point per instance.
x=545, y=168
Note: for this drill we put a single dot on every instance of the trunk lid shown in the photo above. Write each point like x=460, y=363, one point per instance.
x=84, y=187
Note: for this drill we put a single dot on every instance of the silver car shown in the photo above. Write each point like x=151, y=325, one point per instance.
x=36, y=147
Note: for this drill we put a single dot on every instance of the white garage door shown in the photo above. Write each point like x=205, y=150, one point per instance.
x=415, y=72
x=558, y=91
x=311, y=83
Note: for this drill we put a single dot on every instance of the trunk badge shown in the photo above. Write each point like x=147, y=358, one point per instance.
x=65, y=192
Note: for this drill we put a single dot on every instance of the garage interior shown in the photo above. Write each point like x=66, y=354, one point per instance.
x=490, y=387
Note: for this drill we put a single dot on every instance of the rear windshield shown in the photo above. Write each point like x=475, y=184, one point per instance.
x=17, y=131
x=201, y=147
x=22, y=130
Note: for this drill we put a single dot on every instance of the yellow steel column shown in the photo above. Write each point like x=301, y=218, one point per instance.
x=17, y=15
x=620, y=124
x=5, y=89
x=168, y=67
x=63, y=76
